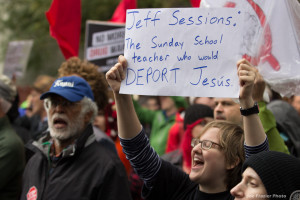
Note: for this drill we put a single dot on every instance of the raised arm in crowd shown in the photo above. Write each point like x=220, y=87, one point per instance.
x=217, y=155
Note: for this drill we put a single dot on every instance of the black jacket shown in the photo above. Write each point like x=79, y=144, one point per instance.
x=33, y=125
x=86, y=170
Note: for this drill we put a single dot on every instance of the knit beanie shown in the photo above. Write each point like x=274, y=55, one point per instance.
x=279, y=172
x=195, y=112
x=180, y=102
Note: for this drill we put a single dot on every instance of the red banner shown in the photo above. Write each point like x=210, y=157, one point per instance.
x=195, y=3
x=120, y=12
x=64, y=17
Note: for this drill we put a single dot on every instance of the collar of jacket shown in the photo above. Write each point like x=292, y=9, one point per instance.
x=84, y=140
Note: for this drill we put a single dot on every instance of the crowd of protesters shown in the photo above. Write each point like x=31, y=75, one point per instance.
x=78, y=138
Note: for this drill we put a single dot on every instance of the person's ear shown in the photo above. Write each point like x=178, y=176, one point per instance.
x=88, y=117
x=233, y=165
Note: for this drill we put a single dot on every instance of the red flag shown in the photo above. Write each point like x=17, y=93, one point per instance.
x=195, y=3
x=120, y=12
x=64, y=17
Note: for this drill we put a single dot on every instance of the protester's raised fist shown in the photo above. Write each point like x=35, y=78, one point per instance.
x=259, y=87
x=247, y=76
x=116, y=74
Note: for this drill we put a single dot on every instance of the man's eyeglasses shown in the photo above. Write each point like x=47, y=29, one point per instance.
x=62, y=102
x=205, y=144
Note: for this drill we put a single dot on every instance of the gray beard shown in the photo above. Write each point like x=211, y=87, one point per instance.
x=72, y=131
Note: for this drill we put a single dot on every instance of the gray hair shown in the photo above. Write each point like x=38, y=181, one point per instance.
x=89, y=105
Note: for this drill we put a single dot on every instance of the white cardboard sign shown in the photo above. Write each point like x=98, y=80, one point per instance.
x=182, y=52
x=16, y=58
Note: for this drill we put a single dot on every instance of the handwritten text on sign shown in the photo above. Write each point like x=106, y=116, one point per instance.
x=182, y=52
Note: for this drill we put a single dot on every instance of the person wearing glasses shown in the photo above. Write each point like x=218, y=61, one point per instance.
x=196, y=116
x=68, y=162
x=217, y=154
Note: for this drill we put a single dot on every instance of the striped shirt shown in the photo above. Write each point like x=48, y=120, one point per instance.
x=147, y=163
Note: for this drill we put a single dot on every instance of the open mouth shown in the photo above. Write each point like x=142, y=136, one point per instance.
x=197, y=162
x=220, y=118
x=59, y=123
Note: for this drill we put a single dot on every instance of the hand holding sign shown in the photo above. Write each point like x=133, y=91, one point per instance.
x=182, y=52
x=117, y=74
x=247, y=75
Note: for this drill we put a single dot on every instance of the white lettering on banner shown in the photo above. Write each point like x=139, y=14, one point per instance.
x=94, y=53
x=108, y=37
x=183, y=52
x=60, y=83
x=97, y=52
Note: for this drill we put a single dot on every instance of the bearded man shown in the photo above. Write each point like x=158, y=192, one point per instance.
x=68, y=163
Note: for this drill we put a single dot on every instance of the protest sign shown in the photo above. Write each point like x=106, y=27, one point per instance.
x=182, y=52
x=103, y=43
x=273, y=32
x=16, y=58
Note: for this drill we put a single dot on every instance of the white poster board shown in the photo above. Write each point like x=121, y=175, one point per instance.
x=182, y=52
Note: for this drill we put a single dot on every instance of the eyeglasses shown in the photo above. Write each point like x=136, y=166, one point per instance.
x=205, y=144
x=62, y=102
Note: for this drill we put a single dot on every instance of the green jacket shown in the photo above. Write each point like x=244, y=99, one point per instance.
x=12, y=161
x=268, y=121
x=160, y=126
